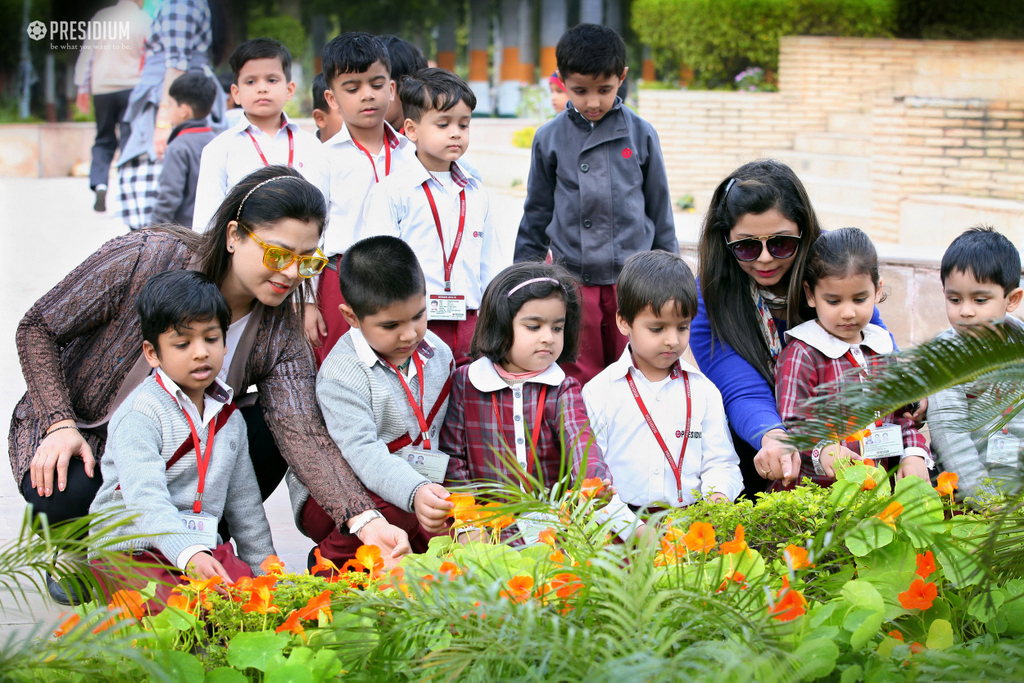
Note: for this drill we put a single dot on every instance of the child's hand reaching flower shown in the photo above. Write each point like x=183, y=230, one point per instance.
x=432, y=506
x=205, y=567
x=837, y=456
x=912, y=466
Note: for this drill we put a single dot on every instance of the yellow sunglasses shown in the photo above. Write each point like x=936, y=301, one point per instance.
x=279, y=258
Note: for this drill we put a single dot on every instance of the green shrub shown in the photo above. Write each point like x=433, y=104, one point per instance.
x=284, y=29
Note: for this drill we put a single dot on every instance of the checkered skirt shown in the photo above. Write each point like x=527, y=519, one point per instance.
x=138, y=186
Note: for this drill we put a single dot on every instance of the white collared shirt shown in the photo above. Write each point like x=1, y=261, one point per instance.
x=352, y=178
x=366, y=354
x=231, y=156
x=398, y=206
x=638, y=465
x=217, y=396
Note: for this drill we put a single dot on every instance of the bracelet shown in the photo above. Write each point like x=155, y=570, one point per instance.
x=57, y=429
x=164, y=125
x=816, y=454
x=370, y=516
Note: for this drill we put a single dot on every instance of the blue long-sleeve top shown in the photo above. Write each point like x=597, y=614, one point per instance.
x=749, y=398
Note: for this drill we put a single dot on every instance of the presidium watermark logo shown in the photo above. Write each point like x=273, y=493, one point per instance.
x=71, y=35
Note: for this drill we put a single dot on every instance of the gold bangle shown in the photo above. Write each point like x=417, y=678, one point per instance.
x=164, y=125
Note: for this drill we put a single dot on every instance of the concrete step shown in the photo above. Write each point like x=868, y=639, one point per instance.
x=831, y=217
x=838, y=166
x=931, y=219
x=854, y=196
x=849, y=123
x=832, y=143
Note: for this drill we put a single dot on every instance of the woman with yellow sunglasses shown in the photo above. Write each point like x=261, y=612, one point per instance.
x=81, y=352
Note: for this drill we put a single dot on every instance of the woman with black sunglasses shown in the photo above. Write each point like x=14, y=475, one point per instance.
x=754, y=245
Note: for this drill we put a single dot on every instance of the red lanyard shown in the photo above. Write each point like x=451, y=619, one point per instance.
x=373, y=165
x=291, y=148
x=677, y=467
x=204, y=129
x=416, y=409
x=537, y=424
x=449, y=260
x=203, y=461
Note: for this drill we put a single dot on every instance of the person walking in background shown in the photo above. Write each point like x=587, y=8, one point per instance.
x=108, y=70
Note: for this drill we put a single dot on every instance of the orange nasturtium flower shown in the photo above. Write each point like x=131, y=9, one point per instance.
x=868, y=484
x=450, y=569
x=897, y=635
x=519, y=588
x=737, y=545
x=917, y=648
x=316, y=605
x=890, y=513
x=925, y=564
x=591, y=487
x=700, y=537
x=737, y=577
x=65, y=626
x=789, y=603
x=465, y=510
x=292, y=625
x=547, y=536
x=369, y=557
x=496, y=523
x=947, y=483
x=272, y=565
x=867, y=462
x=130, y=604
x=260, y=601
x=797, y=557
x=322, y=565
x=920, y=595
x=178, y=601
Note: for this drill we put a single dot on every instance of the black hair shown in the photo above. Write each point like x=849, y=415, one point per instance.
x=195, y=89
x=226, y=80
x=986, y=255
x=753, y=188
x=590, y=50
x=174, y=298
x=377, y=272
x=260, y=48
x=319, y=99
x=651, y=279
x=494, y=333
x=433, y=89
x=353, y=52
x=841, y=253
x=406, y=59
x=292, y=196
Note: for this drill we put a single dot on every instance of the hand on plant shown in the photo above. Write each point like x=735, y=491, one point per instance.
x=837, y=456
x=431, y=506
x=203, y=565
x=918, y=416
x=315, y=326
x=53, y=455
x=777, y=459
x=392, y=541
x=606, y=494
x=718, y=498
x=471, y=536
x=912, y=466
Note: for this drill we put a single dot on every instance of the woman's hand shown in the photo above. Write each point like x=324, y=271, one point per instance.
x=54, y=453
x=777, y=459
x=315, y=325
x=392, y=541
x=160, y=136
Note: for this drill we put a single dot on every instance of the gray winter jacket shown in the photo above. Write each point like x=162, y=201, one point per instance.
x=597, y=194
x=176, y=200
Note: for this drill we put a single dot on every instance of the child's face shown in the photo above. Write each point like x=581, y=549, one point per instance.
x=538, y=335
x=395, y=331
x=262, y=89
x=844, y=304
x=559, y=98
x=191, y=356
x=593, y=96
x=766, y=270
x=180, y=113
x=248, y=275
x=441, y=137
x=363, y=98
x=970, y=303
x=327, y=122
x=657, y=339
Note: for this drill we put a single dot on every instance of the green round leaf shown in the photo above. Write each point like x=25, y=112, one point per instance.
x=817, y=658
x=223, y=674
x=863, y=595
x=178, y=667
x=940, y=635
x=254, y=649
x=869, y=535
x=291, y=673
x=985, y=606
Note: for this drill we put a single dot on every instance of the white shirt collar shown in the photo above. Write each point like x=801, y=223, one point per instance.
x=244, y=124
x=417, y=174
x=484, y=377
x=366, y=354
x=391, y=137
x=813, y=334
x=619, y=368
x=217, y=396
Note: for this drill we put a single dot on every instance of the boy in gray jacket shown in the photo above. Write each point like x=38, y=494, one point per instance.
x=598, y=192
x=177, y=454
x=192, y=94
x=981, y=282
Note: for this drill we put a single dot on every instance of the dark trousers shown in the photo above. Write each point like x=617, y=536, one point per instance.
x=601, y=343
x=74, y=501
x=109, y=110
x=753, y=482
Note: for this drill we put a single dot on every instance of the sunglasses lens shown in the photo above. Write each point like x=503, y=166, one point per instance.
x=276, y=258
x=311, y=265
x=782, y=247
x=746, y=250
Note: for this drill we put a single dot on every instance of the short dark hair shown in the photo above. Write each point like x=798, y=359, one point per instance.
x=195, y=89
x=260, y=48
x=433, y=88
x=319, y=99
x=590, y=50
x=353, y=52
x=651, y=279
x=841, y=253
x=494, y=334
x=406, y=59
x=987, y=255
x=377, y=272
x=174, y=298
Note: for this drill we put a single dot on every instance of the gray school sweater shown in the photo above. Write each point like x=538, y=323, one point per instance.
x=142, y=436
x=176, y=200
x=966, y=453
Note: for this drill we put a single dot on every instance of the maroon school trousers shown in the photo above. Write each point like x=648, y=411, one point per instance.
x=329, y=292
x=601, y=343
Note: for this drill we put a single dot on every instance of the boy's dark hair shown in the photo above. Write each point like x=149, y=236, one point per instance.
x=353, y=52
x=590, y=50
x=494, y=333
x=406, y=59
x=841, y=253
x=261, y=48
x=319, y=86
x=985, y=254
x=195, y=89
x=377, y=272
x=225, y=80
x=433, y=88
x=176, y=298
x=651, y=279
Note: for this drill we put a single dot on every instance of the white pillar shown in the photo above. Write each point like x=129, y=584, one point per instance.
x=591, y=11
x=508, y=88
x=479, y=41
x=527, y=51
x=554, y=20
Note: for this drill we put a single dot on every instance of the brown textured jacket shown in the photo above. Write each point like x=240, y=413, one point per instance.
x=82, y=338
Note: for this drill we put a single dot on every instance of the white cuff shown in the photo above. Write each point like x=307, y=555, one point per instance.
x=356, y=524
x=185, y=555
x=921, y=453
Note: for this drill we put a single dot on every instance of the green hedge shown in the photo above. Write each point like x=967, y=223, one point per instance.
x=959, y=20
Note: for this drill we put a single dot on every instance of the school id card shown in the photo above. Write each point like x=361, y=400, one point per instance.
x=446, y=307
x=430, y=463
x=1003, y=449
x=884, y=442
x=530, y=524
x=201, y=526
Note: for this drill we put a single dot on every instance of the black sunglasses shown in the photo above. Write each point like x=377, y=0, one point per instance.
x=750, y=248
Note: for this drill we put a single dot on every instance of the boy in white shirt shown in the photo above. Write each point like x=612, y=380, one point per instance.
x=649, y=388
x=264, y=136
x=439, y=208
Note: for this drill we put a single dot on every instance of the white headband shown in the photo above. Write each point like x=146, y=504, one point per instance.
x=530, y=282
